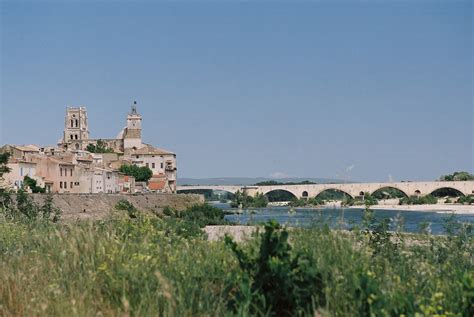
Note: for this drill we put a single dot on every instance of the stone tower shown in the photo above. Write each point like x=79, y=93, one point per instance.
x=133, y=133
x=76, y=131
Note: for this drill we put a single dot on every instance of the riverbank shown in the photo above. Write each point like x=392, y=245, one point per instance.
x=445, y=208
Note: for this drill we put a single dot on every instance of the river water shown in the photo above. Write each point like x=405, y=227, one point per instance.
x=344, y=218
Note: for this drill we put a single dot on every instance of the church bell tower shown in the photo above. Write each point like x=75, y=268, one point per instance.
x=133, y=132
x=76, y=131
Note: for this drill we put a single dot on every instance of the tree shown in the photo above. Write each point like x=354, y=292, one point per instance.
x=32, y=184
x=141, y=173
x=99, y=147
x=457, y=176
x=4, y=169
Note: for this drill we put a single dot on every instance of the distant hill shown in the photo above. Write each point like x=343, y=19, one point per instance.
x=251, y=180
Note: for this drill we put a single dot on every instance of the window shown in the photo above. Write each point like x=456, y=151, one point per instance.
x=75, y=136
x=71, y=171
x=60, y=184
x=72, y=123
x=72, y=137
x=71, y=185
x=152, y=165
x=77, y=123
x=61, y=172
x=65, y=184
x=161, y=165
x=21, y=171
x=147, y=165
x=137, y=156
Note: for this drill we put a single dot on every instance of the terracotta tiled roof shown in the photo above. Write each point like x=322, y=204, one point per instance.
x=156, y=185
x=149, y=149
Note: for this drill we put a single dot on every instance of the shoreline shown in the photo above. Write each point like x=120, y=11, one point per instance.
x=456, y=209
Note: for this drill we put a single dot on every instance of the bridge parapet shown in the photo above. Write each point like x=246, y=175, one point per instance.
x=352, y=189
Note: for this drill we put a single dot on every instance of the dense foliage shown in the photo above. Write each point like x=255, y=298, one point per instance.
x=277, y=281
x=99, y=147
x=466, y=200
x=22, y=208
x=310, y=202
x=147, y=266
x=457, y=176
x=422, y=200
x=4, y=169
x=367, y=200
x=242, y=200
x=202, y=215
x=141, y=173
x=33, y=185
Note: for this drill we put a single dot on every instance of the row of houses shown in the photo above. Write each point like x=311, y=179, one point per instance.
x=71, y=167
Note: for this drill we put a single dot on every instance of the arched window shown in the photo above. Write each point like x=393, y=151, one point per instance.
x=72, y=137
x=72, y=123
x=77, y=123
x=305, y=194
x=75, y=136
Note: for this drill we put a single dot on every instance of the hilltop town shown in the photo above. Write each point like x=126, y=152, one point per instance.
x=79, y=164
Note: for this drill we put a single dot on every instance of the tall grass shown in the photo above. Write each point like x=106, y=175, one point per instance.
x=149, y=266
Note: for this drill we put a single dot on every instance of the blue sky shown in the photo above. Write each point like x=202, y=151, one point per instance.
x=366, y=91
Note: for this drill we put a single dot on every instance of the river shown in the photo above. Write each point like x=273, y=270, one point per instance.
x=344, y=218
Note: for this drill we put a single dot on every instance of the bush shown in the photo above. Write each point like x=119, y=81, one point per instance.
x=201, y=214
x=242, y=199
x=127, y=206
x=423, y=200
x=310, y=202
x=26, y=210
x=276, y=280
x=141, y=174
x=32, y=184
x=367, y=199
x=466, y=200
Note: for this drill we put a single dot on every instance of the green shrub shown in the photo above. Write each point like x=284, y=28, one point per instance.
x=242, y=199
x=423, y=200
x=201, y=214
x=141, y=173
x=127, y=206
x=466, y=200
x=277, y=280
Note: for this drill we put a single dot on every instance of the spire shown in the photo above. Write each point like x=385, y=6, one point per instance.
x=134, y=108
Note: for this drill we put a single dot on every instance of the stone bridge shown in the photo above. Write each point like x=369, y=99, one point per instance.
x=351, y=189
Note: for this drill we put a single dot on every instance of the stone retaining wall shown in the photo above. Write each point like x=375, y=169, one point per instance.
x=97, y=206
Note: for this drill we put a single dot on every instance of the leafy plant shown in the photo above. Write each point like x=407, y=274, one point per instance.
x=277, y=280
x=141, y=173
x=33, y=185
x=99, y=147
x=242, y=199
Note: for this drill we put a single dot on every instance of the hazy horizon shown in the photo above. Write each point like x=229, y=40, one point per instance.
x=359, y=91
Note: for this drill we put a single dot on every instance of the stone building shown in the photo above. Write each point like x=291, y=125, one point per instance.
x=71, y=168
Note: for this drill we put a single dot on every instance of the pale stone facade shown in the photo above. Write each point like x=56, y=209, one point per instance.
x=70, y=168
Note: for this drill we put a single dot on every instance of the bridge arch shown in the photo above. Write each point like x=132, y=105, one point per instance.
x=280, y=195
x=205, y=191
x=332, y=190
x=447, y=191
x=389, y=192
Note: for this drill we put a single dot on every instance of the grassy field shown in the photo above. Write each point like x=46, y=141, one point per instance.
x=135, y=265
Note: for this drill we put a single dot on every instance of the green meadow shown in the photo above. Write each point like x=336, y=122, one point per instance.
x=134, y=264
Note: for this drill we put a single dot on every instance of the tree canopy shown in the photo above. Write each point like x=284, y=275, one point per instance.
x=99, y=147
x=457, y=176
x=141, y=173
x=4, y=169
